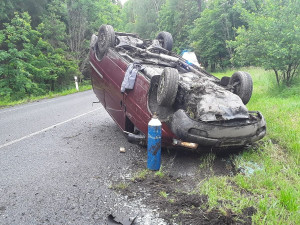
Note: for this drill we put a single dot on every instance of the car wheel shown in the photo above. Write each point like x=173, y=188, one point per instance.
x=166, y=40
x=167, y=87
x=242, y=85
x=225, y=81
x=106, y=39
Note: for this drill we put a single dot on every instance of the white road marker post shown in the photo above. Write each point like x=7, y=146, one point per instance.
x=76, y=83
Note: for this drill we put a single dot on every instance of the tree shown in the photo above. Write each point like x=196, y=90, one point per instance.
x=177, y=17
x=84, y=18
x=211, y=31
x=35, y=8
x=272, y=39
x=53, y=25
x=140, y=16
x=29, y=65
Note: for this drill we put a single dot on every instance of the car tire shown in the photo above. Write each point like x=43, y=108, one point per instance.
x=167, y=87
x=106, y=39
x=242, y=85
x=225, y=81
x=166, y=40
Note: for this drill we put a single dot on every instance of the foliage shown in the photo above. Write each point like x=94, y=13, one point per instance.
x=84, y=18
x=271, y=39
x=42, y=48
x=211, y=31
x=140, y=16
x=177, y=17
x=53, y=26
x=29, y=65
x=35, y=8
x=41, y=55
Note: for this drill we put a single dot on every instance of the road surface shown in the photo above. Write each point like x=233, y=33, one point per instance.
x=58, y=160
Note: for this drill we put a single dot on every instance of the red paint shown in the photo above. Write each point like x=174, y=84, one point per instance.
x=133, y=103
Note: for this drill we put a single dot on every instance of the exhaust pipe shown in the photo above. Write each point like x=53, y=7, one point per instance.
x=135, y=138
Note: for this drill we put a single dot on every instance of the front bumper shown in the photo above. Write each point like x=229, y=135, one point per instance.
x=219, y=133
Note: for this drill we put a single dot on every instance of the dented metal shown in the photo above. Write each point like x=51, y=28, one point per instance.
x=205, y=111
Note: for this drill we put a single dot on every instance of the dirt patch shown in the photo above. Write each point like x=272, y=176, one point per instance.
x=172, y=194
x=163, y=193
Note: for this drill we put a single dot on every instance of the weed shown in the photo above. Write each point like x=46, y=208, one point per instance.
x=160, y=173
x=140, y=175
x=207, y=160
x=120, y=186
x=184, y=212
x=172, y=200
x=163, y=194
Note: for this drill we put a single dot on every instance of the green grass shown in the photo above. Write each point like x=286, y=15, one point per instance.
x=141, y=175
x=160, y=173
x=163, y=194
x=6, y=103
x=273, y=186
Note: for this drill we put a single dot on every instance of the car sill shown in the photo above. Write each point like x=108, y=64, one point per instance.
x=96, y=70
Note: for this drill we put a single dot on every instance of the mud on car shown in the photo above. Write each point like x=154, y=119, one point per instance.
x=135, y=79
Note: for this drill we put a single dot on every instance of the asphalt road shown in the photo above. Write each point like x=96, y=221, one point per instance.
x=59, y=158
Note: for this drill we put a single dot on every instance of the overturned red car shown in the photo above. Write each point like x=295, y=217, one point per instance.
x=135, y=78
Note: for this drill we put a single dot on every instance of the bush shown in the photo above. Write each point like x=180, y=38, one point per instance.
x=29, y=65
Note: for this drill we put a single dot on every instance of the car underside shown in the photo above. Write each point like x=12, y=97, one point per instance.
x=195, y=107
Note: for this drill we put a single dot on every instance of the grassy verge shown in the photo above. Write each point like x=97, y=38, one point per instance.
x=71, y=90
x=269, y=172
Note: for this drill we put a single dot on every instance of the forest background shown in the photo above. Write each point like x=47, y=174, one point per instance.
x=44, y=44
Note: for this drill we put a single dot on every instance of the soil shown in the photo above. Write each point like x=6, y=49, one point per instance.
x=174, y=196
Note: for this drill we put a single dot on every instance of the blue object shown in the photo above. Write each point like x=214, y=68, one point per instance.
x=154, y=144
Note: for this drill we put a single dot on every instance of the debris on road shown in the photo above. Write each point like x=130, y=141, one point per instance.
x=119, y=219
x=122, y=150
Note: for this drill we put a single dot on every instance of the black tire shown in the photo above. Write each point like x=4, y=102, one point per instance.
x=168, y=86
x=106, y=39
x=166, y=40
x=225, y=81
x=242, y=84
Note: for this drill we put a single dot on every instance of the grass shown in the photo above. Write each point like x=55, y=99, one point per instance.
x=207, y=160
x=6, y=103
x=140, y=175
x=120, y=186
x=273, y=185
x=163, y=194
x=160, y=173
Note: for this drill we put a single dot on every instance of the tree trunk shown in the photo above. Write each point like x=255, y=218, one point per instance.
x=199, y=5
x=213, y=67
x=277, y=76
x=77, y=28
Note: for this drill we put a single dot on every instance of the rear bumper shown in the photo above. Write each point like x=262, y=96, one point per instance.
x=218, y=134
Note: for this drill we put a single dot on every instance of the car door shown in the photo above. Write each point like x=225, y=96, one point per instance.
x=113, y=78
x=97, y=78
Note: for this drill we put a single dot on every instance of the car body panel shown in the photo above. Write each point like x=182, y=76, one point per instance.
x=134, y=105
